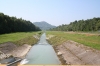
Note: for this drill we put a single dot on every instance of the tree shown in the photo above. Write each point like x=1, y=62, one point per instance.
x=13, y=24
x=81, y=25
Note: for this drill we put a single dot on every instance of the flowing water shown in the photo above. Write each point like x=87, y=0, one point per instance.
x=41, y=53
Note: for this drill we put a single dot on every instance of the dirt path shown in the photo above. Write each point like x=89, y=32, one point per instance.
x=74, y=53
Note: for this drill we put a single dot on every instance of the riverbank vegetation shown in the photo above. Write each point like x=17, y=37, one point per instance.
x=88, y=39
x=12, y=24
x=20, y=38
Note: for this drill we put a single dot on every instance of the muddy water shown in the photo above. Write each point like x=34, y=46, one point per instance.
x=41, y=53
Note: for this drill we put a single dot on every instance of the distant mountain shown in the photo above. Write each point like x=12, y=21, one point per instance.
x=44, y=25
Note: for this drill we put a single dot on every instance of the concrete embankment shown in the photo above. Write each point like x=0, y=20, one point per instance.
x=74, y=53
x=11, y=50
x=21, y=51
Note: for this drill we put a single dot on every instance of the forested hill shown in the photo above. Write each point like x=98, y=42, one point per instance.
x=81, y=25
x=44, y=25
x=12, y=24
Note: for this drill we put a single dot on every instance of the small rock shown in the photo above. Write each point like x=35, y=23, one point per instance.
x=59, y=53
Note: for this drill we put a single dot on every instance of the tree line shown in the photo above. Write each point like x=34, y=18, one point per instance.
x=80, y=25
x=12, y=24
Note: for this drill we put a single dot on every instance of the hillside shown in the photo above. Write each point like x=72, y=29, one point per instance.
x=81, y=25
x=44, y=25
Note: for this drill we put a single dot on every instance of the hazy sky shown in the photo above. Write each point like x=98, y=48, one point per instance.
x=55, y=12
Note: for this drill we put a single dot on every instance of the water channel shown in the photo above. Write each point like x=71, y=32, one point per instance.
x=41, y=53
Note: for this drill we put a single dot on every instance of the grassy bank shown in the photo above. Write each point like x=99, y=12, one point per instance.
x=19, y=38
x=88, y=39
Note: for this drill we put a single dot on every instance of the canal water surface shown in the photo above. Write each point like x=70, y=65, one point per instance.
x=41, y=53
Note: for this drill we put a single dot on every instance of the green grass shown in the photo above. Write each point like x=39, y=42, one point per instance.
x=86, y=39
x=19, y=37
x=30, y=40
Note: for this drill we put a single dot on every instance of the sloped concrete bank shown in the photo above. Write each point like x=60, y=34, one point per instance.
x=11, y=50
x=71, y=52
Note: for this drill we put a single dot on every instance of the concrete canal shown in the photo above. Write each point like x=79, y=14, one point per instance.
x=41, y=53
